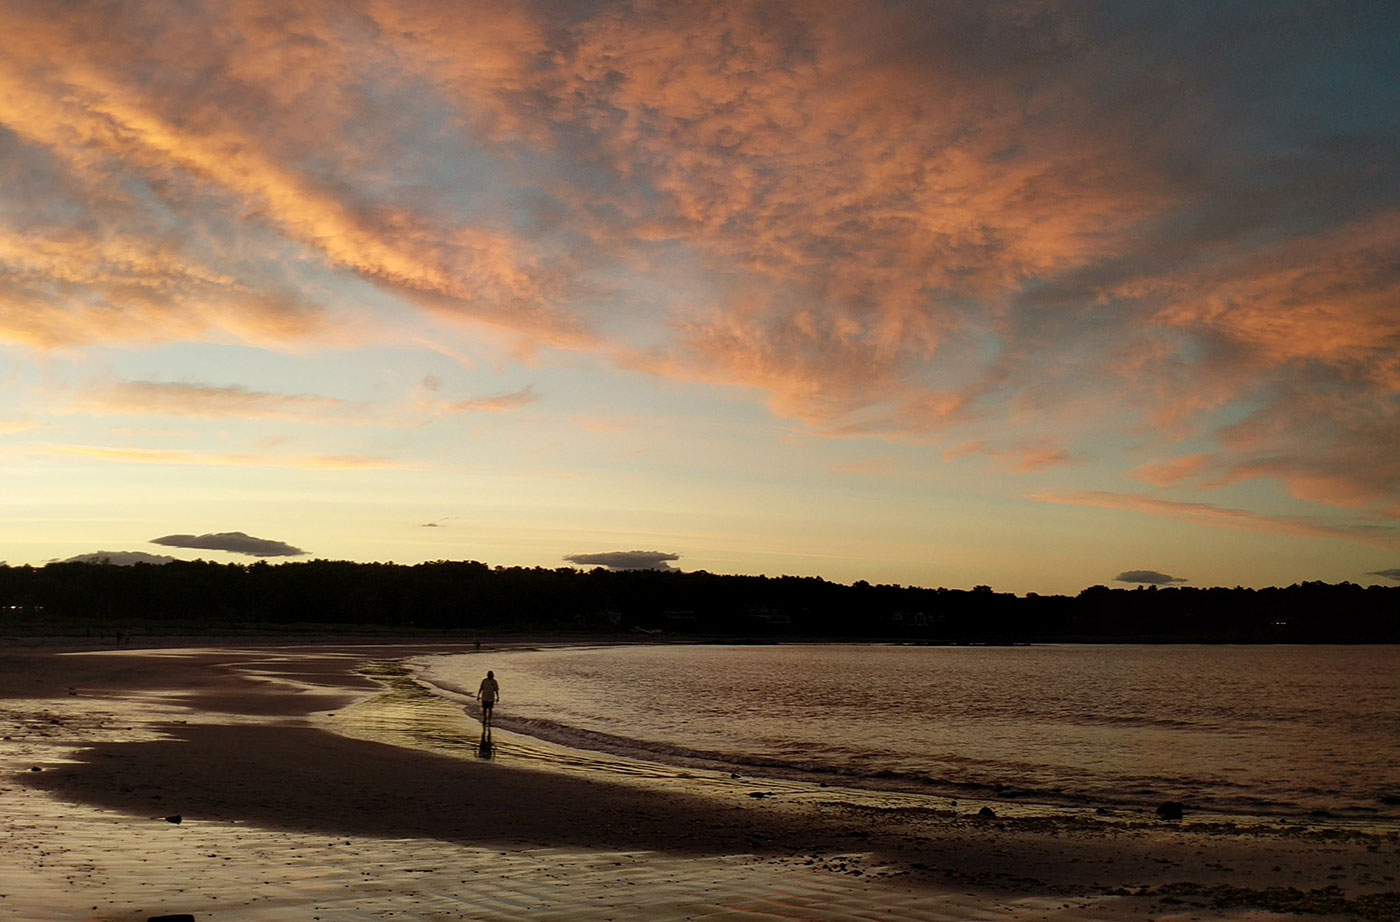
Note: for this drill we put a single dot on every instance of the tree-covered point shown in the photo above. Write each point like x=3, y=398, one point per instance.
x=469, y=596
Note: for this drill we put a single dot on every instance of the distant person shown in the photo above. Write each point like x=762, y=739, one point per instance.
x=488, y=694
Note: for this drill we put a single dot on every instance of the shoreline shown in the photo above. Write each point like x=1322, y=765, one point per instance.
x=1306, y=802
x=279, y=751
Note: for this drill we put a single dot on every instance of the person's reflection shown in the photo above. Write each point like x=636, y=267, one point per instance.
x=484, y=748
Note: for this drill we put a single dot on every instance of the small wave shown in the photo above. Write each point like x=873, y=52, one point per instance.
x=1129, y=795
x=1134, y=720
x=973, y=731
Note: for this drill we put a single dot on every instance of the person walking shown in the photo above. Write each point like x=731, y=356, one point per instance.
x=488, y=694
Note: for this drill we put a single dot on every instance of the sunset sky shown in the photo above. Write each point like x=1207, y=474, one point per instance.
x=1026, y=294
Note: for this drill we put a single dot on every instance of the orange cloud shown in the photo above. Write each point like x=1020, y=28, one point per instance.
x=15, y=426
x=1041, y=458
x=244, y=137
x=1171, y=471
x=207, y=402
x=68, y=289
x=603, y=425
x=427, y=401
x=964, y=450
x=997, y=225
x=859, y=192
x=1219, y=517
x=1325, y=450
x=872, y=466
x=216, y=459
x=1326, y=298
x=1015, y=458
x=497, y=403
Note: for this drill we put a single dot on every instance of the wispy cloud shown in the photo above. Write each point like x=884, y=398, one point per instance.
x=428, y=400
x=205, y=401
x=604, y=425
x=877, y=465
x=1039, y=459
x=1220, y=517
x=234, y=129
x=217, y=459
x=66, y=287
x=15, y=426
x=1169, y=472
x=496, y=403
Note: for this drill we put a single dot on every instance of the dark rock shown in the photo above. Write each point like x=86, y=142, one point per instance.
x=987, y=813
x=174, y=818
x=36, y=769
x=177, y=917
x=1171, y=810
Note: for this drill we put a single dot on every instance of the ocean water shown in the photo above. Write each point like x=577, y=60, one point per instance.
x=1239, y=730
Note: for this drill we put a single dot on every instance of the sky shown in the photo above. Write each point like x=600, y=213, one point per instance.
x=1025, y=294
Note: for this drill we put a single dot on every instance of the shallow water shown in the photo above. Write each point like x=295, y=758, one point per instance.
x=1256, y=730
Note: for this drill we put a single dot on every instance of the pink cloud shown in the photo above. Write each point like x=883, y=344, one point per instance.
x=1170, y=471
x=1042, y=458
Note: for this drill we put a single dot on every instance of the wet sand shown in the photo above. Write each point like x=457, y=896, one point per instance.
x=324, y=782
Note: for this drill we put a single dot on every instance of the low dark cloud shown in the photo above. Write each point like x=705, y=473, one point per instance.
x=119, y=558
x=1148, y=577
x=235, y=542
x=625, y=560
x=1392, y=573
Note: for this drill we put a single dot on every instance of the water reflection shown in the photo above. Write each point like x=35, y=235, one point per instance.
x=1253, y=730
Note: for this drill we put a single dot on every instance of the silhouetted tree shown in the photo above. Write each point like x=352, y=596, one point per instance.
x=468, y=596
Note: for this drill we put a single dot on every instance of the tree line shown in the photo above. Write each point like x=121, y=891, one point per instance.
x=472, y=598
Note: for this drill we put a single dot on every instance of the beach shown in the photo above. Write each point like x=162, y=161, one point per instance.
x=272, y=782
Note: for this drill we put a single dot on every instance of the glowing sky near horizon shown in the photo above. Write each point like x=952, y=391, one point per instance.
x=1020, y=293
